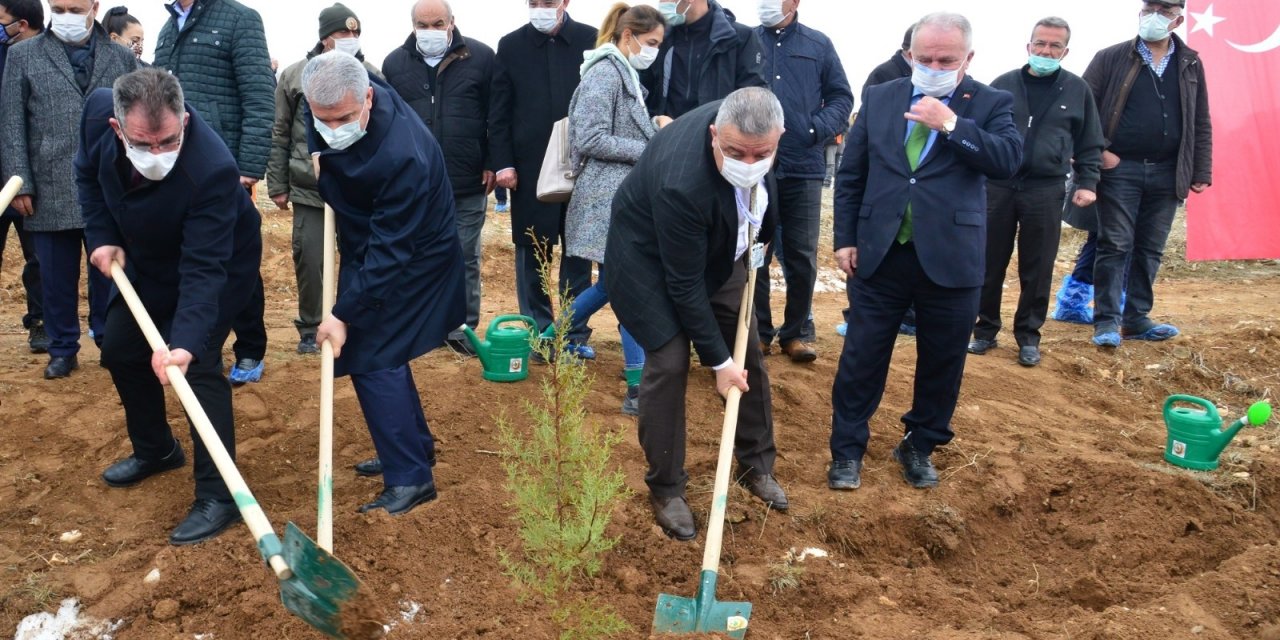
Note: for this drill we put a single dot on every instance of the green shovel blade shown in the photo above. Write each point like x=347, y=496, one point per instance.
x=701, y=614
x=321, y=585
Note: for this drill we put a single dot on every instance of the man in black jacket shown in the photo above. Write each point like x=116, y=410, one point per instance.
x=535, y=76
x=447, y=78
x=705, y=56
x=804, y=72
x=684, y=222
x=1056, y=114
x=897, y=66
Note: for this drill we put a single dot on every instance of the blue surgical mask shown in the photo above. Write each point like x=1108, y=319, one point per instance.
x=4, y=33
x=1154, y=27
x=933, y=83
x=669, y=12
x=341, y=137
x=1043, y=66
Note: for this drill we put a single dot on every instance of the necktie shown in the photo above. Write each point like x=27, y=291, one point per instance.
x=915, y=148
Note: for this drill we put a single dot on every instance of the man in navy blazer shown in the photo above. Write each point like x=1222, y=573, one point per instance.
x=910, y=228
x=161, y=194
x=400, y=284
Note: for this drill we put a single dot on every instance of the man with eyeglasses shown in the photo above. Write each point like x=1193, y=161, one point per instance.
x=162, y=196
x=1062, y=138
x=1154, y=106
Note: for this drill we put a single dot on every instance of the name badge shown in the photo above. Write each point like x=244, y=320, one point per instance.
x=757, y=255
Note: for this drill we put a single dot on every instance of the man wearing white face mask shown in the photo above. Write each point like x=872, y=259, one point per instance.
x=910, y=228
x=686, y=222
x=1154, y=107
x=447, y=77
x=291, y=177
x=162, y=197
x=706, y=56
x=46, y=80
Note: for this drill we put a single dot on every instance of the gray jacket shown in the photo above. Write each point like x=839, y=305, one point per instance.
x=609, y=127
x=40, y=108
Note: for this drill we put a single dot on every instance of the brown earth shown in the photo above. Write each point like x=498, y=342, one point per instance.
x=1056, y=517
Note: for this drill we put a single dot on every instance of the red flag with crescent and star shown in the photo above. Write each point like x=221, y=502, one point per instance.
x=1239, y=216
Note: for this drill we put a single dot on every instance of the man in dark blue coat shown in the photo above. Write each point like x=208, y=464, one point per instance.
x=161, y=195
x=400, y=284
x=910, y=228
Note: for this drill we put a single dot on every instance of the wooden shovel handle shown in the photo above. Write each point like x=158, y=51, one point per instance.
x=324, y=502
x=253, y=515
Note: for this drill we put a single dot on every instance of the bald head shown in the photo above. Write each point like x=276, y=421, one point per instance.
x=427, y=14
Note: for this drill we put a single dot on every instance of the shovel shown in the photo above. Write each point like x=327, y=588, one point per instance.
x=314, y=585
x=10, y=191
x=702, y=613
x=324, y=498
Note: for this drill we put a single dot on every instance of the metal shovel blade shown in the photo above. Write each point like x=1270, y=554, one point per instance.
x=701, y=614
x=321, y=585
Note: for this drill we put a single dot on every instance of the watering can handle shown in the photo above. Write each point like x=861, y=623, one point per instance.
x=513, y=317
x=1201, y=402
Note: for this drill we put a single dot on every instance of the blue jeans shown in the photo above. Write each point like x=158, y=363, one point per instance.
x=593, y=300
x=1136, y=206
x=796, y=244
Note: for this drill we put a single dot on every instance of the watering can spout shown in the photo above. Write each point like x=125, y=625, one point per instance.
x=481, y=346
x=1256, y=416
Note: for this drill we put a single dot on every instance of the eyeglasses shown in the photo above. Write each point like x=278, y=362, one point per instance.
x=163, y=147
x=1168, y=12
x=544, y=4
x=1051, y=46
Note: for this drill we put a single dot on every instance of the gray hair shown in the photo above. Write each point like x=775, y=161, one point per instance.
x=413, y=11
x=330, y=77
x=152, y=89
x=1053, y=22
x=755, y=111
x=945, y=20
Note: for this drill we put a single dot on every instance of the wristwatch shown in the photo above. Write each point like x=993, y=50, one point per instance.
x=949, y=125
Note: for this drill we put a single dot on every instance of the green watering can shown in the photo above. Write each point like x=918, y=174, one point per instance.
x=1196, y=436
x=504, y=352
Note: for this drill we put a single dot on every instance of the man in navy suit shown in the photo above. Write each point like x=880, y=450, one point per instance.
x=910, y=229
x=161, y=195
x=400, y=284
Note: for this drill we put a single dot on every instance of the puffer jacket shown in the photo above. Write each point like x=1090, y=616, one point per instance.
x=289, y=168
x=220, y=57
x=455, y=108
x=735, y=61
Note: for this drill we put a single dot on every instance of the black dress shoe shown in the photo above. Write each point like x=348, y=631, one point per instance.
x=60, y=367
x=1029, y=356
x=398, y=499
x=206, y=520
x=844, y=474
x=461, y=346
x=131, y=470
x=917, y=469
x=373, y=466
x=37, y=339
x=674, y=516
x=765, y=487
x=978, y=346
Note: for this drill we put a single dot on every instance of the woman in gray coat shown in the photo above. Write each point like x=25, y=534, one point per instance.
x=609, y=127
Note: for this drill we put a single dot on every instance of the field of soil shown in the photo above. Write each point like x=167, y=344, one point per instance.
x=1056, y=517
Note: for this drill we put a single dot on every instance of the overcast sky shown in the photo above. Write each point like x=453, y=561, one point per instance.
x=865, y=32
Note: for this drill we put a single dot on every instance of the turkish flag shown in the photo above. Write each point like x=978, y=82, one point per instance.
x=1239, y=216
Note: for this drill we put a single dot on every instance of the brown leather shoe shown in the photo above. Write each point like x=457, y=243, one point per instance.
x=799, y=351
x=674, y=516
x=765, y=487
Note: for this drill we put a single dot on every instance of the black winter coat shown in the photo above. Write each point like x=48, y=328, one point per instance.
x=735, y=61
x=455, y=108
x=1066, y=129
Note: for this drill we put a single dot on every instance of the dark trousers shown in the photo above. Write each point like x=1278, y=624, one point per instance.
x=30, y=267
x=877, y=305
x=1083, y=271
x=800, y=212
x=575, y=275
x=662, y=400
x=1136, y=207
x=1032, y=216
x=127, y=356
x=469, y=211
x=393, y=411
x=62, y=257
x=308, y=267
x=251, y=331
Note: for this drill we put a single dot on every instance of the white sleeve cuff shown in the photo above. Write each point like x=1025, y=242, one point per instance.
x=723, y=364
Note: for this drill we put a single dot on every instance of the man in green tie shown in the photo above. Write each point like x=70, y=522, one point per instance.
x=910, y=216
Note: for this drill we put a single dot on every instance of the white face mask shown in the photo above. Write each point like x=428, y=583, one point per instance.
x=343, y=136
x=70, y=27
x=152, y=166
x=644, y=59
x=771, y=13
x=933, y=83
x=1154, y=27
x=432, y=43
x=741, y=174
x=544, y=20
x=349, y=46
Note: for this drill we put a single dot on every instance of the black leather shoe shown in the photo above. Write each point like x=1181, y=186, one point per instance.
x=1029, y=356
x=844, y=475
x=674, y=516
x=398, y=499
x=206, y=520
x=37, y=339
x=765, y=487
x=60, y=367
x=978, y=346
x=131, y=470
x=373, y=466
x=461, y=346
x=917, y=469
